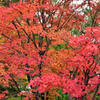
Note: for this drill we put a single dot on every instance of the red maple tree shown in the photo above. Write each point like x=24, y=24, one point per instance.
x=30, y=28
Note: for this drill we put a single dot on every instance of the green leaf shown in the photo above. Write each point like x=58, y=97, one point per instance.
x=87, y=25
x=16, y=98
x=76, y=32
x=14, y=1
x=55, y=1
x=57, y=47
x=56, y=98
x=66, y=97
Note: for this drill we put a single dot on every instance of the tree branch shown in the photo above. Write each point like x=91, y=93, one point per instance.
x=97, y=88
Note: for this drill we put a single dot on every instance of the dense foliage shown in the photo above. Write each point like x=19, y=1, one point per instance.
x=52, y=48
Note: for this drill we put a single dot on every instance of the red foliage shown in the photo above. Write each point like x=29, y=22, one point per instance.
x=29, y=29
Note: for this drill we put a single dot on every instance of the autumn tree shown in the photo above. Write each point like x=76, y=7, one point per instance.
x=31, y=29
